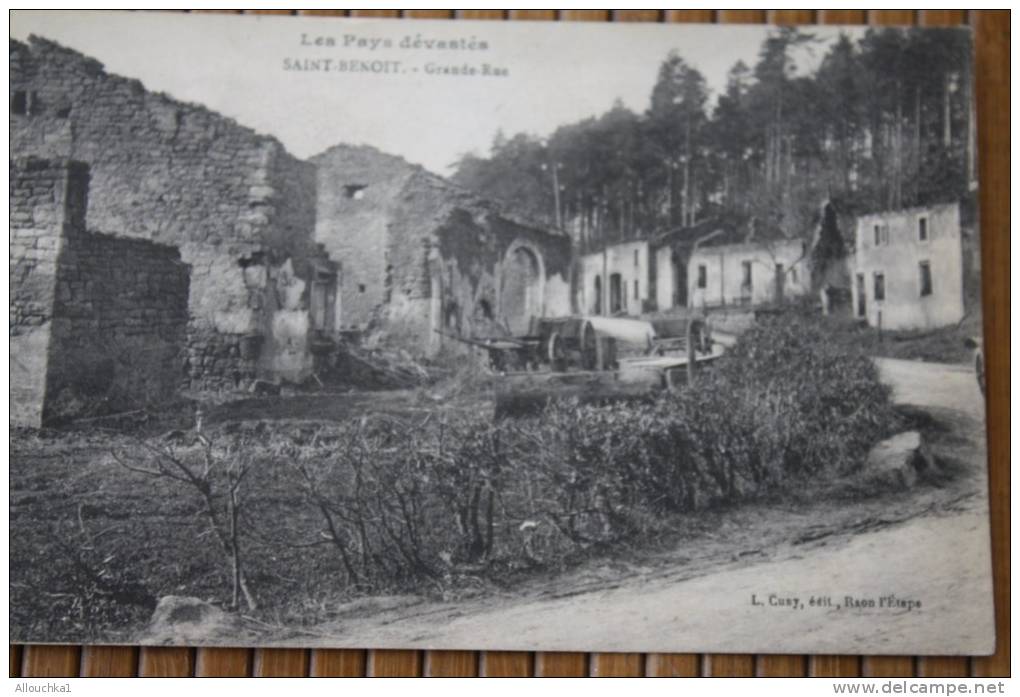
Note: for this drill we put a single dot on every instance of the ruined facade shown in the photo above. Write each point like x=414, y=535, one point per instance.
x=264, y=259
x=97, y=322
x=908, y=268
x=619, y=278
x=708, y=266
x=237, y=206
x=747, y=273
x=420, y=254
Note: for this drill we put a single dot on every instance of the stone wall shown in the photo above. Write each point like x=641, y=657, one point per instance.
x=358, y=191
x=39, y=212
x=97, y=322
x=421, y=254
x=119, y=318
x=179, y=174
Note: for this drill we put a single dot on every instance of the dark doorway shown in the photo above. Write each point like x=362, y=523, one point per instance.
x=780, y=283
x=862, y=303
x=679, y=281
x=616, y=297
x=597, y=305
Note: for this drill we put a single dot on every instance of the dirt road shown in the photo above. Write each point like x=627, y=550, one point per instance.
x=901, y=576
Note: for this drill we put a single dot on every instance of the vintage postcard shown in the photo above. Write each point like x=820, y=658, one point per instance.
x=495, y=335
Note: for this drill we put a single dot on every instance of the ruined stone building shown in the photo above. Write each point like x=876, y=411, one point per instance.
x=420, y=254
x=236, y=206
x=281, y=254
x=908, y=268
x=91, y=315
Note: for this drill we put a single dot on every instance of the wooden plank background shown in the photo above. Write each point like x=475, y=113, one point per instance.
x=992, y=88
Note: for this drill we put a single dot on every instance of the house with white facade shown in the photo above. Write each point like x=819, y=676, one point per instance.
x=617, y=280
x=746, y=273
x=908, y=268
x=702, y=267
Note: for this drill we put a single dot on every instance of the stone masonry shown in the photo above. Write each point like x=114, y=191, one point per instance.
x=264, y=234
x=421, y=254
x=98, y=323
x=237, y=205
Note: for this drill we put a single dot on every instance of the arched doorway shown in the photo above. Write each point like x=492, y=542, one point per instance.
x=521, y=288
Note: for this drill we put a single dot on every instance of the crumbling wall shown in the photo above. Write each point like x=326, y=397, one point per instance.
x=420, y=253
x=359, y=188
x=182, y=175
x=97, y=322
x=39, y=210
x=119, y=318
x=456, y=277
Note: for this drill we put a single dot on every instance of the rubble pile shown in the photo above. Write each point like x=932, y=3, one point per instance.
x=374, y=369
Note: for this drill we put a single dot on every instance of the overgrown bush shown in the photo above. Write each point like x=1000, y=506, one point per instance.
x=400, y=501
x=381, y=504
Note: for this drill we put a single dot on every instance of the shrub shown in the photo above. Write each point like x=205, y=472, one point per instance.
x=381, y=504
x=404, y=502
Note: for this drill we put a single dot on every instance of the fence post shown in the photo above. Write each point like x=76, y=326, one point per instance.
x=692, y=352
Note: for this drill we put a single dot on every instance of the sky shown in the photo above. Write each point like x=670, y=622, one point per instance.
x=245, y=67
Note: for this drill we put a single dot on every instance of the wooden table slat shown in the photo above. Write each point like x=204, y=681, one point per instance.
x=339, y=663
x=281, y=663
x=51, y=661
x=834, y=666
x=727, y=665
x=15, y=665
x=780, y=666
x=533, y=15
x=109, y=661
x=393, y=663
x=451, y=664
x=166, y=662
x=617, y=665
x=842, y=16
x=223, y=663
x=584, y=15
x=506, y=664
x=741, y=16
x=992, y=72
x=376, y=13
x=788, y=17
x=894, y=18
x=561, y=664
x=323, y=13
x=942, y=666
x=427, y=14
x=689, y=16
x=481, y=14
x=637, y=15
x=673, y=665
x=887, y=666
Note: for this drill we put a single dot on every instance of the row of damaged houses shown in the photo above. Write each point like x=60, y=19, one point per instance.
x=902, y=270
x=157, y=246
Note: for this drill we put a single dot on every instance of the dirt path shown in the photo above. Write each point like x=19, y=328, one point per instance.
x=751, y=590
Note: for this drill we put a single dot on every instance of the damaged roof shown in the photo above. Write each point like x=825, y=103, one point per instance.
x=434, y=197
x=720, y=231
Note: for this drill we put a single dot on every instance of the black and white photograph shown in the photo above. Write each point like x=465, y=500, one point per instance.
x=529, y=336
